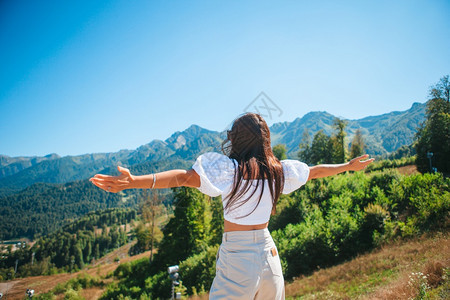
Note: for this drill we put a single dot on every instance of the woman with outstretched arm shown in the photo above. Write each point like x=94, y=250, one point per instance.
x=250, y=180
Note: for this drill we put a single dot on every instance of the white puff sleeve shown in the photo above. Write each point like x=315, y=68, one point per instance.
x=296, y=174
x=216, y=173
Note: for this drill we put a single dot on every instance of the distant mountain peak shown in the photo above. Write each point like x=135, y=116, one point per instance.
x=189, y=133
x=52, y=156
x=195, y=129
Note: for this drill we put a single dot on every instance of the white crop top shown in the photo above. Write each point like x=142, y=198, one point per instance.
x=217, y=172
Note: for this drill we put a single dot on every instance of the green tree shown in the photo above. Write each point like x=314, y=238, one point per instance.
x=97, y=251
x=358, y=146
x=280, y=151
x=441, y=90
x=338, y=141
x=187, y=231
x=144, y=238
x=305, y=147
x=216, y=228
x=78, y=256
x=321, y=149
x=150, y=211
x=434, y=134
x=87, y=251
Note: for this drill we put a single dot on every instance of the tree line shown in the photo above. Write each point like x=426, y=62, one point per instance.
x=71, y=247
x=44, y=208
x=431, y=145
x=324, y=149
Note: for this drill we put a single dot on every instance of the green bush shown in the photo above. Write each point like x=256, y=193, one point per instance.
x=391, y=163
x=198, y=271
x=72, y=295
x=358, y=213
x=45, y=296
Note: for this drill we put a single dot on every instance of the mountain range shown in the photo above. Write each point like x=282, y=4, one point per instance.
x=382, y=134
x=40, y=194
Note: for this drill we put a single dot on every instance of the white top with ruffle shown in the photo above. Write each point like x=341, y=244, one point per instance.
x=217, y=173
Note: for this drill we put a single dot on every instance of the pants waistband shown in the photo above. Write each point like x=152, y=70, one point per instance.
x=250, y=235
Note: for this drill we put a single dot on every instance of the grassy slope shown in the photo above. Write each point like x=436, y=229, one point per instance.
x=381, y=274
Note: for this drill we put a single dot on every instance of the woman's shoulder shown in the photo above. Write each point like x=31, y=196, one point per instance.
x=216, y=160
x=296, y=174
x=216, y=172
x=293, y=168
x=288, y=163
x=215, y=156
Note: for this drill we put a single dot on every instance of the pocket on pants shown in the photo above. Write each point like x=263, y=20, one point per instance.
x=239, y=267
x=275, y=264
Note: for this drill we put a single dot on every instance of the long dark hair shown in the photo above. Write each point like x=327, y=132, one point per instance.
x=248, y=142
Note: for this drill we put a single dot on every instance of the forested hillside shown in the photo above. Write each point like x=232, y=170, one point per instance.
x=43, y=208
x=71, y=247
x=382, y=134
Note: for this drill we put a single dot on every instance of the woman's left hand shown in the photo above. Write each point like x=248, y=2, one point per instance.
x=114, y=184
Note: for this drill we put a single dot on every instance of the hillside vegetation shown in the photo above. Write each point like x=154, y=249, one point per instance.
x=407, y=269
x=325, y=223
x=46, y=207
x=43, y=208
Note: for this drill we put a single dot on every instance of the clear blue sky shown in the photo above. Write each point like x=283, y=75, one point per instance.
x=99, y=76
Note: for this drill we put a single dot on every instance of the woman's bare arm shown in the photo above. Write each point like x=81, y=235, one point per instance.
x=325, y=170
x=166, y=179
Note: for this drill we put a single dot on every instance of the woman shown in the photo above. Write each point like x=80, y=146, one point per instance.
x=250, y=180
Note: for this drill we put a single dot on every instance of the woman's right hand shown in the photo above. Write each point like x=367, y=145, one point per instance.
x=114, y=184
x=358, y=164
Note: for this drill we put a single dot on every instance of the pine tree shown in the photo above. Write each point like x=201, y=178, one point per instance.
x=338, y=140
x=305, y=148
x=216, y=228
x=358, y=146
x=321, y=149
x=433, y=137
x=78, y=256
x=97, y=251
x=187, y=231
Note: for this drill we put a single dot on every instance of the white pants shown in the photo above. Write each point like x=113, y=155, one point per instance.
x=248, y=267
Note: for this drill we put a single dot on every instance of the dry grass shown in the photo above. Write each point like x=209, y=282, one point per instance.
x=415, y=284
x=92, y=293
x=382, y=274
x=408, y=170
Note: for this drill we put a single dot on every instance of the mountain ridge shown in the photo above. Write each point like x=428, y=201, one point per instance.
x=382, y=133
